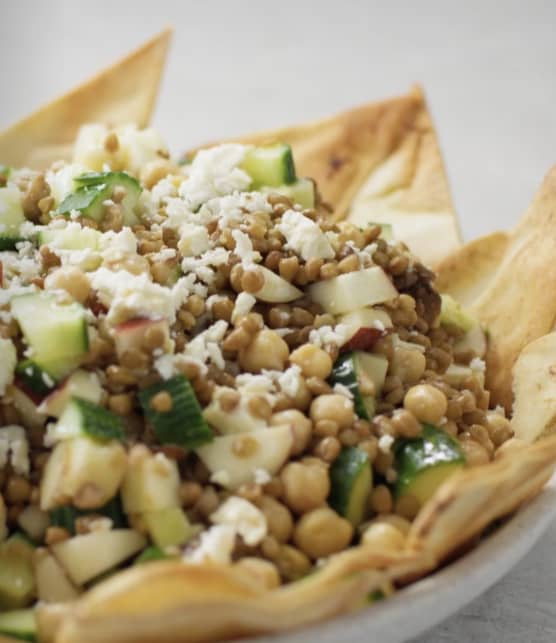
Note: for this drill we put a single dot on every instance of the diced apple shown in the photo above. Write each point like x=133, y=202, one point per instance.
x=130, y=335
x=238, y=420
x=275, y=289
x=456, y=374
x=474, y=340
x=373, y=367
x=53, y=585
x=233, y=459
x=85, y=557
x=353, y=290
x=363, y=339
x=82, y=384
x=82, y=472
x=364, y=318
x=151, y=482
x=168, y=527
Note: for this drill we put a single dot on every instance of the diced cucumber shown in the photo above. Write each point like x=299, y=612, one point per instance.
x=86, y=557
x=112, y=180
x=183, y=424
x=71, y=238
x=11, y=217
x=17, y=581
x=168, y=527
x=353, y=290
x=355, y=368
x=21, y=624
x=301, y=191
x=151, y=554
x=269, y=164
x=452, y=314
x=33, y=378
x=84, y=418
x=5, y=171
x=57, y=334
x=424, y=463
x=89, y=200
x=64, y=517
x=351, y=480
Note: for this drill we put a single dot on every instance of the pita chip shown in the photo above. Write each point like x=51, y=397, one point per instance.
x=123, y=93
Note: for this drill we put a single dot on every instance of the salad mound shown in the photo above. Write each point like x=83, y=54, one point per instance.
x=198, y=365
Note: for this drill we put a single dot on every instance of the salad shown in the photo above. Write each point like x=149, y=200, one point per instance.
x=205, y=382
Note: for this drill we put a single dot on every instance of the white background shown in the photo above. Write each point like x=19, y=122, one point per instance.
x=489, y=70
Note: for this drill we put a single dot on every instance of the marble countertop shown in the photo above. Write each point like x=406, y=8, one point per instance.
x=488, y=71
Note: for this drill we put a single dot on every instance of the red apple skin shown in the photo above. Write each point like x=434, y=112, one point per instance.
x=363, y=339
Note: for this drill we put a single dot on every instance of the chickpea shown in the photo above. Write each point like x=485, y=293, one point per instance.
x=300, y=425
x=302, y=397
x=262, y=571
x=267, y=350
x=409, y=365
x=306, y=485
x=334, y=407
x=292, y=563
x=405, y=424
x=474, y=453
x=313, y=361
x=383, y=536
x=322, y=532
x=70, y=279
x=426, y=402
x=401, y=524
x=278, y=518
x=499, y=428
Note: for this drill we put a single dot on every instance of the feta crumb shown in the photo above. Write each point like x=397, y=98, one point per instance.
x=304, y=236
x=378, y=325
x=8, y=360
x=216, y=546
x=221, y=477
x=244, y=248
x=246, y=519
x=477, y=364
x=342, y=389
x=194, y=240
x=289, y=381
x=204, y=346
x=385, y=443
x=243, y=305
x=326, y=335
x=261, y=476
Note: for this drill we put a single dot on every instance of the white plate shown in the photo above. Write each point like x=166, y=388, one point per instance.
x=428, y=602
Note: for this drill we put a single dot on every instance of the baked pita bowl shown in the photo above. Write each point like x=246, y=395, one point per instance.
x=236, y=401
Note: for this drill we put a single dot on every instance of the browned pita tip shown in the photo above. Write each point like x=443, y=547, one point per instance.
x=388, y=152
x=471, y=500
x=466, y=273
x=517, y=306
x=123, y=93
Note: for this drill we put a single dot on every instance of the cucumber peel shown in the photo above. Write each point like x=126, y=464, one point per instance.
x=351, y=480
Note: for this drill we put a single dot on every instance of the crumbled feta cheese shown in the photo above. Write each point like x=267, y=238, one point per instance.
x=8, y=360
x=385, y=443
x=304, y=236
x=247, y=520
x=204, y=346
x=343, y=390
x=261, y=476
x=378, y=325
x=214, y=172
x=477, y=364
x=244, y=248
x=243, y=305
x=124, y=243
x=14, y=445
x=128, y=296
x=290, y=381
x=216, y=546
x=328, y=336
x=194, y=240
x=162, y=190
x=168, y=365
x=221, y=477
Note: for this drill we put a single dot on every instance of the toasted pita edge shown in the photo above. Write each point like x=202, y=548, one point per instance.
x=467, y=272
x=534, y=386
x=387, y=152
x=123, y=93
x=515, y=307
x=473, y=499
